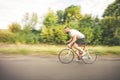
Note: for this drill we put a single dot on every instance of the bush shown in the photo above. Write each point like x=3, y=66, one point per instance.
x=27, y=38
x=91, y=27
x=14, y=27
x=53, y=35
x=111, y=30
x=6, y=36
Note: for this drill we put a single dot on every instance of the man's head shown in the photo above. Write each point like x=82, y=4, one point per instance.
x=67, y=29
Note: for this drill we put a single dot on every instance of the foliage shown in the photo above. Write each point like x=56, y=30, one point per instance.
x=30, y=21
x=91, y=27
x=111, y=24
x=113, y=9
x=46, y=49
x=53, y=35
x=103, y=31
x=46, y=34
x=50, y=19
x=111, y=30
x=27, y=38
x=6, y=37
x=60, y=15
x=72, y=13
x=14, y=27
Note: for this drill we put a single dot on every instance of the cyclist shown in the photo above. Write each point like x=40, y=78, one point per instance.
x=76, y=38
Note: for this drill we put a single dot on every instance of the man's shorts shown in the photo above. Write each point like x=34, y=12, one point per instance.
x=80, y=41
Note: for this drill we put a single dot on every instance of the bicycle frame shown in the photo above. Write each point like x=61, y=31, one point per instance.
x=86, y=56
x=84, y=48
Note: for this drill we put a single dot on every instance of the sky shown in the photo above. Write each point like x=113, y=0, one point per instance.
x=14, y=10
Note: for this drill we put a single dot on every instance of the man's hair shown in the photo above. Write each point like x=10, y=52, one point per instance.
x=66, y=27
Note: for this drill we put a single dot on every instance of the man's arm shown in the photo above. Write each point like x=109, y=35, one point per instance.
x=69, y=40
x=73, y=39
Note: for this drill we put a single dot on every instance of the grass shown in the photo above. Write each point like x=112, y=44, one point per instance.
x=107, y=50
x=45, y=49
x=30, y=49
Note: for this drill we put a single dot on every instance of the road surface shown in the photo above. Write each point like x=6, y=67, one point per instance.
x=49, y=68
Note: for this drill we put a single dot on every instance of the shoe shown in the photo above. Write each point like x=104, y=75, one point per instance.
x=79, y=58
x=84, y=53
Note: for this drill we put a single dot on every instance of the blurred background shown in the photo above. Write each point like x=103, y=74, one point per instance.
x=33, y=26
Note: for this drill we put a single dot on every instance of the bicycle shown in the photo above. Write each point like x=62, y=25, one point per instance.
x=67, y=55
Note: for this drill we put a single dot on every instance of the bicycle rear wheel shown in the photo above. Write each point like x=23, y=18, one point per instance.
x=90, y=57
x=66, y=56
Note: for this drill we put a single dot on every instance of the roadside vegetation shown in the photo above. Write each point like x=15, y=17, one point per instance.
x=99, y=31
x=49, y=49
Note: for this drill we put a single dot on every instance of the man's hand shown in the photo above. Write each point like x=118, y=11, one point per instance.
x=69, y=45
x=67, y=42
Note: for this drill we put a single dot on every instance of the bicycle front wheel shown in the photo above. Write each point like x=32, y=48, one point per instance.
x=66, y=56
x=90, y=57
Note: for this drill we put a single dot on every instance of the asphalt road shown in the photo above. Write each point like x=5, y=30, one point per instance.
x=49, y=68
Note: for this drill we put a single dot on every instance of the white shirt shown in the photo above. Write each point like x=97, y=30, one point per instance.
x=76, y=33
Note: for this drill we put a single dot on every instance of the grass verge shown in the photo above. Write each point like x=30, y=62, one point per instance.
x=30, y=49
x=45, y=49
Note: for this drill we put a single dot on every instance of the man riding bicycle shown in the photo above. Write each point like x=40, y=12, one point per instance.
x=76, y=39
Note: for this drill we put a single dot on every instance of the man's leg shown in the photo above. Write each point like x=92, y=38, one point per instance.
x=79, y=49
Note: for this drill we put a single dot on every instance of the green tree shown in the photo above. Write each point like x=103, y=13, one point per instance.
x=111, y=23
x=111, y=30
x=97, y=32
x=14, y=27
x=60, y=15
x=47, y=35
x=85, y=26
x=53, y=35
x=30, y=21
x=113, y=9
x=50, y=19
x=91, y=27
x=72, y=13
x=59, y=36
